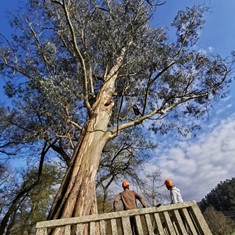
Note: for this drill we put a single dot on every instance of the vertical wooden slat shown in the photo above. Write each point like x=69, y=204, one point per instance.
x=139, y=225
x=102, y=227
x=149, y=224
x=79, y=229
x=114, y=227
x=41, y=231
x=67, y=230
x=159, y=224
x=176, y=228
x=92, y=228
x=180, y=223
x=200, y=221
x=166, y=231
x=189, y=222
x=126, y=225
x=169, y=223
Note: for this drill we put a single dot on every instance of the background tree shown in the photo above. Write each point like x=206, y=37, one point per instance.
x=75, y=70
x=222, y=198
x=151, y=188
x=122, y=159
x=25, y=207
x=218, y=223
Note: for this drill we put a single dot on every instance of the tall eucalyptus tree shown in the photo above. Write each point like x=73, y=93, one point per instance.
x=76, y=69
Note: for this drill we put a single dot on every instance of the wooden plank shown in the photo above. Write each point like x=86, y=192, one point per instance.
x=126, y=225
x=41, y=231
x=199, y=220
x=179, y=223
x=102, y=227
x=139, y=225
x=114, y=227
x=169, y=223
x=159, y=224
x=149, y=224
x=175, y=227
x=92, y=228
x=67, y=230
x=190, y=224
x=79, y=230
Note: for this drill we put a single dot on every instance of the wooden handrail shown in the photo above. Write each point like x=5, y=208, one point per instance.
x=178, y=219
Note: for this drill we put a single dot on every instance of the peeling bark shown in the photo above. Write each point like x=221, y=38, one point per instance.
x=77, y=195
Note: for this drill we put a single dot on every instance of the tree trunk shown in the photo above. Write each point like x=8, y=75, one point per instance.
x=77, y=194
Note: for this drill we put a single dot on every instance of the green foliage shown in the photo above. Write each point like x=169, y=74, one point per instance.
x=218, y=223
x=33, y=206
x=222, y=198
x=61, y=54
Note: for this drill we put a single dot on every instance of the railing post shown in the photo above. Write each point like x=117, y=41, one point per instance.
x=102, y=227
x=79, y=229
x=180, y=222
x=199, y=219
x=41, y=231
x=67, y=230
x=149, y=224
x=169, y=223
x=126, y=225
x=139, y=225
x=189, y=222
x=159, y=224
x=114, y=227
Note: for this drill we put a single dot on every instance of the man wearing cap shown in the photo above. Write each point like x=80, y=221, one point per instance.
x=176, y=197
x=174, y=192
x=128, y=198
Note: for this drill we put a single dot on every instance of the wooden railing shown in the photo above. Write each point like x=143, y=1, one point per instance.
x=176, y=219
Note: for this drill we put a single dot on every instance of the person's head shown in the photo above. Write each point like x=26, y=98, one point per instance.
x=125, y=184
x=169, y=184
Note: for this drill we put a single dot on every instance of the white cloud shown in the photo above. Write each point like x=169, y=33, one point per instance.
x=223, y=109
x=196, y=168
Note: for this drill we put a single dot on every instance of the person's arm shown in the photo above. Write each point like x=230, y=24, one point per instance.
x=140, y=199
x=115, y=202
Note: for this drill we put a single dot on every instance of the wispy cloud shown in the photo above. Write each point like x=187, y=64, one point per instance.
x=198, y=167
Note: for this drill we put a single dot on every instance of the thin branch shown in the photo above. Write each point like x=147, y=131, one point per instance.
x=80, y=57
x=46, y=62
x=146, y=97
x=23, y=192
x=160, y=111
x=156, y=4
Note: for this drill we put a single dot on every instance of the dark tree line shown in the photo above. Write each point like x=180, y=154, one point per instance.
x=222, y=198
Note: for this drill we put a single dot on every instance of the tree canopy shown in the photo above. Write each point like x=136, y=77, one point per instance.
x=78, y=73
x=59, y=59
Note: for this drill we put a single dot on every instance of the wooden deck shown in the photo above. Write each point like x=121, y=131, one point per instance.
x=176, y=219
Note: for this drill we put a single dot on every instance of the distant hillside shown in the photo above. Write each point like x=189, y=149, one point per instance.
x=222, y=198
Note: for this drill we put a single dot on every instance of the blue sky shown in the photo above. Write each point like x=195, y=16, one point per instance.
x=196, y=165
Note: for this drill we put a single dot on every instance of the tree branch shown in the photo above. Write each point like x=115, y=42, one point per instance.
x=160, y=111
x=80, y=57
x=23, y=192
